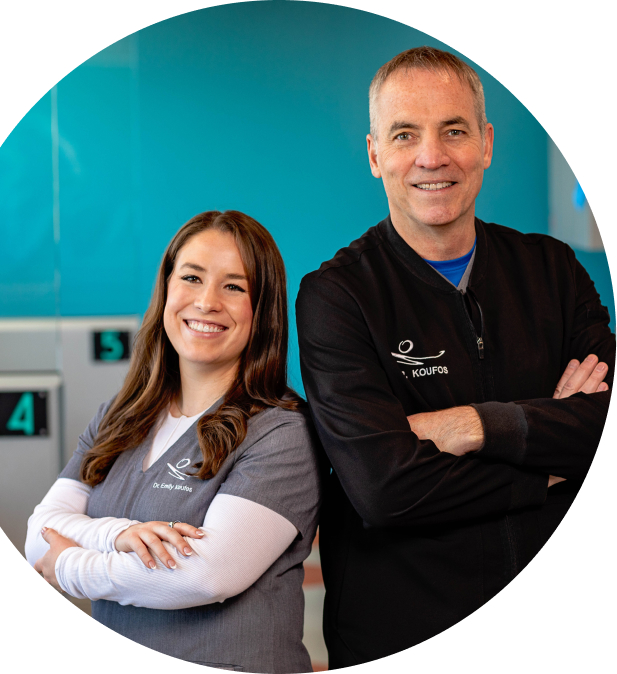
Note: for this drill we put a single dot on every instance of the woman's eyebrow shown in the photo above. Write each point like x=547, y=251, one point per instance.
x=196, y=267
x=191, y=265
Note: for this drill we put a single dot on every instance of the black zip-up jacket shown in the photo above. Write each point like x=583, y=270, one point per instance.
x=412, y=539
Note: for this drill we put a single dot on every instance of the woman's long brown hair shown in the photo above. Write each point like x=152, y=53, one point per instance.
x=153, y=379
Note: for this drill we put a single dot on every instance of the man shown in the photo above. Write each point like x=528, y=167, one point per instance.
x=432, y=384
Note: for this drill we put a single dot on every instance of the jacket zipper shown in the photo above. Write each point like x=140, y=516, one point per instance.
x=479, y=338
x=511, y=551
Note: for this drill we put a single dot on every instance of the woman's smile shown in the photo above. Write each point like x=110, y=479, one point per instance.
x=205, y=328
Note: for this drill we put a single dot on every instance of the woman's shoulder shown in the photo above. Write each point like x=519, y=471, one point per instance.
x=279, y=429
x=95, y=422
x=275, y=417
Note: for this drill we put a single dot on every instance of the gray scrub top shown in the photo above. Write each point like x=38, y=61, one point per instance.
x=259, y=630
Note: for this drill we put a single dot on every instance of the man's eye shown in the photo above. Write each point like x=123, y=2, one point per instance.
x=455, y=132
x=403, y=136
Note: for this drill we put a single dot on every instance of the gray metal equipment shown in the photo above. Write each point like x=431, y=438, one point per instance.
x=54, y=374
x=29, y=447
x=95, y=358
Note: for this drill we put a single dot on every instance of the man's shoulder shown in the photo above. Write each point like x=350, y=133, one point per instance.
x=348, y=259
x=524, y=252
x=512, y=236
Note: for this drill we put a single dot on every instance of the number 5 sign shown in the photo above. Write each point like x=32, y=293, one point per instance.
x=111, y=345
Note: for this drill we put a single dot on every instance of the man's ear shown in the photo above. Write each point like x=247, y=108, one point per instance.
x=489, y=136
x=371, y=146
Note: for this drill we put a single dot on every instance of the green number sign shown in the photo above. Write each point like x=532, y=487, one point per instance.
x=23, y=413
x=111, y=345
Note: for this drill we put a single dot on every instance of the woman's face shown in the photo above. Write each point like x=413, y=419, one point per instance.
x=208, y=313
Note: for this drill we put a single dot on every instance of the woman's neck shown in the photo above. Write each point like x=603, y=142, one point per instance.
x=199, y=390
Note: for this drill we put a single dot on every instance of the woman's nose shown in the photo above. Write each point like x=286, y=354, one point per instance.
x=208, y=299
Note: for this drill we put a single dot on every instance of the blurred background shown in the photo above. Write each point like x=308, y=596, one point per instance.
x=258, y=107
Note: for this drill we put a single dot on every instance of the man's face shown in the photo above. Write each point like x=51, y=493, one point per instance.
x=429, y=151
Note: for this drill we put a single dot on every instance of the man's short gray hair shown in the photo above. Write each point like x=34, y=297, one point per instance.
x=435, y=61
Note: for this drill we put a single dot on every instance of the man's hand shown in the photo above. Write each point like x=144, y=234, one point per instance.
x=46, y=566
x=585, y=377
x=457, y=430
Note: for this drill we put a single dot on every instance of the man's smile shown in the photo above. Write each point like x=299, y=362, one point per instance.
x=433, y=187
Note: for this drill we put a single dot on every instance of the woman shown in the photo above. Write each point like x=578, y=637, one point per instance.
x=204, y=433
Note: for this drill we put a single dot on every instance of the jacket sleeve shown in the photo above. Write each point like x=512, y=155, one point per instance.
x=559, y=437
x=390, y=477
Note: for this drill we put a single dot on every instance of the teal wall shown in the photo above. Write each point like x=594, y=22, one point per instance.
x=259, y=107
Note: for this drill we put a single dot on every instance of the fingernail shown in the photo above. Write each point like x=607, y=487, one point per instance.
x=43, y=530
x=188, y=551
x=172, y=565
x=572, y=364
x=601, y=367
x=152, y=565
x=201, y=533
x=590, y=358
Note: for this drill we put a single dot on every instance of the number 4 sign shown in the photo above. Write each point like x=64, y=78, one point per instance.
x=23, y=413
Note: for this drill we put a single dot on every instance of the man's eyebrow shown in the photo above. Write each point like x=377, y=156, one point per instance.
x=455, y=121
x=398, y=125
x=395, y=126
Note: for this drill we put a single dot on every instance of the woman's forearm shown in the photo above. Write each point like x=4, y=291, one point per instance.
x=242, y=541
x=64, y=509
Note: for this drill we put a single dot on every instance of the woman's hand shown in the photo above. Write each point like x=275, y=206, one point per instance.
x=146, y=537
x=46, y=566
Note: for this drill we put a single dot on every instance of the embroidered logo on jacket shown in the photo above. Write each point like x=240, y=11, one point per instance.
x=403, y=358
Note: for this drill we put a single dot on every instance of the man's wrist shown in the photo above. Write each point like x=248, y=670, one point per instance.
x=466, y=426
x=505, y=431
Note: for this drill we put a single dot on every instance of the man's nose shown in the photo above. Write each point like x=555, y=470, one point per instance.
x=208, y=299
x=432, y=153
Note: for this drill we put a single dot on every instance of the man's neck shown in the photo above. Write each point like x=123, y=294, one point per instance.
x=438, y=242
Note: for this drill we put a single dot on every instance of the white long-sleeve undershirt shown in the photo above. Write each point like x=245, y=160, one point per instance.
x=64, y=509
x=243, y=539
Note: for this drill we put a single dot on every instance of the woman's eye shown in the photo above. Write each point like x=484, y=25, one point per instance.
x=235, y=288
x=191, y=278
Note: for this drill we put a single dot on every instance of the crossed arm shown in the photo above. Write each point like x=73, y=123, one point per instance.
x=150, y=564
x=459, y=430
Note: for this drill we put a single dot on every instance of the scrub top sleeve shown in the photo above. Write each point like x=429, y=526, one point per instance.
x=85, y=442
x=279, y=470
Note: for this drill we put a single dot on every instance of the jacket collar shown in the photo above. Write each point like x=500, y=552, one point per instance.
x=422, y=269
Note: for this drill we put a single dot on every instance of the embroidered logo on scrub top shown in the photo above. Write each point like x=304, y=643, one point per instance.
x=176, y=472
